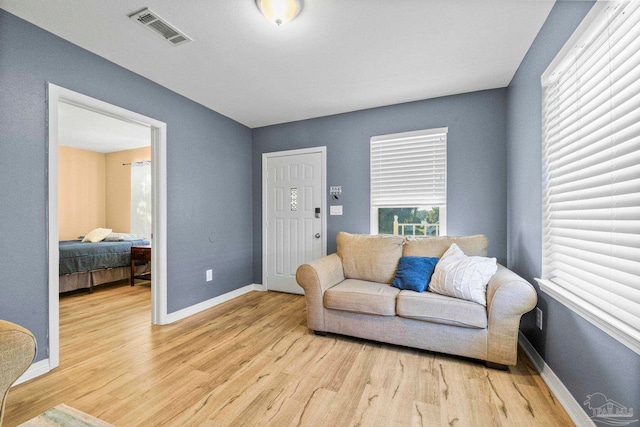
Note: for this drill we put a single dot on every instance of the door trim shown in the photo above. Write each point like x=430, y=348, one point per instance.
x=158, y=130
x=323, y=200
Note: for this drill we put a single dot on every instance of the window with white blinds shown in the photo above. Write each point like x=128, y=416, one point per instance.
x=409, y=169
x=591, y=172
x=409, y=183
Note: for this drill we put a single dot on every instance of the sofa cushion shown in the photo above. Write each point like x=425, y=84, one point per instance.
x=442, y=309
x=461, y=276
x=370, y=258
x=437, y=246
x=360, y=296
x=414, y=273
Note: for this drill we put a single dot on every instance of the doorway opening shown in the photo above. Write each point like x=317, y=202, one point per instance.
x=60, y=98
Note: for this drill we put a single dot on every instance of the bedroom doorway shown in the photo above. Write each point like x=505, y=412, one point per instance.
x=104, y=184
x=61, y=101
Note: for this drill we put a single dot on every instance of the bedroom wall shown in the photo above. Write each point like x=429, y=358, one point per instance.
x=476, y=187
x=118, y=188
x=208, y=174
x=585, y=359
x=94, y=190
x=81, y=192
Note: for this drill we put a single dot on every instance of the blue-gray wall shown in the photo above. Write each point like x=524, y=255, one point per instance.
x=476, y=156
x=586, y=359
x=208, y=166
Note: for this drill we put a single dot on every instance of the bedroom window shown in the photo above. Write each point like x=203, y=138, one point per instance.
x=409, y=183
x=591, y=172
x=141, y=213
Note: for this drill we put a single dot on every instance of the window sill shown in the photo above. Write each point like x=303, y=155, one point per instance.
x=607, y=323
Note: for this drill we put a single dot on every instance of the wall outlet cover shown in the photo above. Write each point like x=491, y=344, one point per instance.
x=209, y=275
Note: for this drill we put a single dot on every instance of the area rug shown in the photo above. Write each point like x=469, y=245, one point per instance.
x=63, y=415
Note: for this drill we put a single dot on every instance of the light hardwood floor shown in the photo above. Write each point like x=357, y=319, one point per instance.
x=252, y=361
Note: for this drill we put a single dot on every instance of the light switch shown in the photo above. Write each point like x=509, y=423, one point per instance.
x=335, y=210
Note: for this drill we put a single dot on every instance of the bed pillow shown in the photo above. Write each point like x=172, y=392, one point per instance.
x=413, y=273
x=97, y=235
x=114, y=237
x=461, y=276
x=121, y=237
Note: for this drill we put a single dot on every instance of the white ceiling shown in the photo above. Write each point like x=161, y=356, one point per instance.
x=336, y=56
x=88, y=130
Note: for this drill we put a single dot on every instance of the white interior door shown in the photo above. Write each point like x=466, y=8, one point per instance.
x=295, y=215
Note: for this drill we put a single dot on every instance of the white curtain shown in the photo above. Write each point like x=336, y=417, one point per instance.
x=141, y=199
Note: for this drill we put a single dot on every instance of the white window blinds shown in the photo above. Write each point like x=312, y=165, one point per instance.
x=409, y=169
x=591, y=172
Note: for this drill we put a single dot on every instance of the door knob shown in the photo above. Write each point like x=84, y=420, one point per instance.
x=317, y=235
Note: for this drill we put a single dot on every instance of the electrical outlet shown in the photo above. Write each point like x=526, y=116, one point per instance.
x=539, y=318
x=209, y=275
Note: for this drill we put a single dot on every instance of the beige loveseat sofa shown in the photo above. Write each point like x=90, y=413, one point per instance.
x=349, y=293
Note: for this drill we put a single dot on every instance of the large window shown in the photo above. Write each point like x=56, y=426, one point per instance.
x=591, y=172
x=409, y=183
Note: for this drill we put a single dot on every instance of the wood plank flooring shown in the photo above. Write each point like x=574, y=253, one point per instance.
x=252, y=361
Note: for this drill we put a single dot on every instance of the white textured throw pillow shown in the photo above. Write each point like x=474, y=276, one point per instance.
x=461, y=276
x=97, y=235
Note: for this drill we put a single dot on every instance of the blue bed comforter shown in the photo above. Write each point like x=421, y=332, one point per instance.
x=76, y=256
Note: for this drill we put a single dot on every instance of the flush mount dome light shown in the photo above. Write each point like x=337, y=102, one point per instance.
x=279, y=11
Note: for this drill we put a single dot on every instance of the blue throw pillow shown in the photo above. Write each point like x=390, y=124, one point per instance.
x=414, y=273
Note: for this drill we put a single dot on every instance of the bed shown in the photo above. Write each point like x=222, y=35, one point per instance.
x=84, y=265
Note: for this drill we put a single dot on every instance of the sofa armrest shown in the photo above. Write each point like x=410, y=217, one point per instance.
x=315, y=278
x=509, y=296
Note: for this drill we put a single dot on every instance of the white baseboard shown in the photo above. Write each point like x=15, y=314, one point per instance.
x=566, y=399
x=35, y=370
x=204, y=305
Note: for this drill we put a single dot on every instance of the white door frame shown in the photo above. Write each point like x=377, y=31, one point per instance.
x=323, y=200
x=158, y=129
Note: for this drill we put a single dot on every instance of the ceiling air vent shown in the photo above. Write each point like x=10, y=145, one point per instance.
x=159, y=26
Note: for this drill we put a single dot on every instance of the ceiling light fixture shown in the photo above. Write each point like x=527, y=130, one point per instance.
x=279, y=11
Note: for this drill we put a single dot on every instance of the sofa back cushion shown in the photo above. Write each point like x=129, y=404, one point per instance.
x=371, y=258
x=437, y=246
